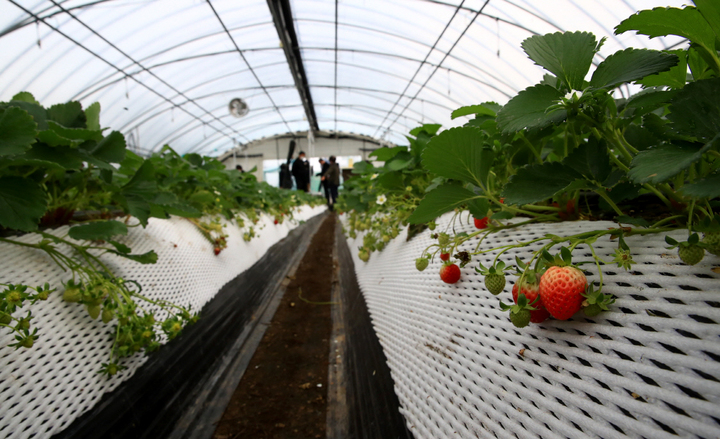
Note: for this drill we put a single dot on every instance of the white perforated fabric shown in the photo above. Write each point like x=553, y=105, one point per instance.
x=43, y=389
x=649, y=368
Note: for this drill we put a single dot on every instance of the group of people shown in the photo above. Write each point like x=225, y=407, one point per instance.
x=329, y=176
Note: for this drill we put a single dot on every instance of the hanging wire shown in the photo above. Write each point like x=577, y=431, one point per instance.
x=127, y=90
x=448, y=77
x=497, y=34
x=37, y=29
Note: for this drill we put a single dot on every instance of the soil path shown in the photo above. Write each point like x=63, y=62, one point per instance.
x=283, y=393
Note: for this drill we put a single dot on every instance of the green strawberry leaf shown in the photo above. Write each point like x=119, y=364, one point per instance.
x=65, y=156
x=25, y=96
x=538, y=182
x=630, y=65
x=92, y=113
x=122, y=248
x=687, y=23
x=101, y=230
x=110, y=149
x=460, y=154
x=443, y=199
x=708, y=187
x=591, y=160
x=146, y=258
x=143, y=183
x=430, y=128
x=656, y=165
x=22, y=203
x=384, y=154
x=183, y=210
x=695, y=110
x=69, y=115
x=567, y=55
x=674, y=78
x=401, y=160
x=528, y=109
x=390, y=181
x=473, y=109
x=17, y=131
x=35, y=110
x=625, y=219
x=502, y=215
x=478, y=207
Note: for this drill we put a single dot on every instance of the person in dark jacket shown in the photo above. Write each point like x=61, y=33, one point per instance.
x=324, y=167
x=301, y=172
x=286, y=181
x=331, y=177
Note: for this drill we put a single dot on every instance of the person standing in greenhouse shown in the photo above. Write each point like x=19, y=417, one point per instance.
x=301, y=172
x=331, y=177
x=323, y=168
x=286, y=181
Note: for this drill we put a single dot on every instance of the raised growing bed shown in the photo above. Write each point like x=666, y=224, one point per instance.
x=648, y=368
x=49, y=386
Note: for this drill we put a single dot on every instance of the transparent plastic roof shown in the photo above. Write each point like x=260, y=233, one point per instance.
x=164, y=71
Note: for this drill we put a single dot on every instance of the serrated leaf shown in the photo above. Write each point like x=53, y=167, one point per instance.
x=92, y=114
x=675, y=78
x=401, y=161
x=708, y=187
x=122, y=248
x=567, y=55
x=183, y=210
x=146, y=258
x=624, y=219
x=100, y=230
x=22, y=203
x=630, y=65
x=430, y=128
x=478, y=207
x=69, y=115
x=472, y=109
x=656, y=165
x=659, y=22
x=502, y=215
x=538, y=182
x=110, y=149
x=362, y=167
x=390, y=181
x=460, y=154
x=68, y=158
x=142, y=184
x=648, y=100
x=384, y=154
x=36, y=111
x=25, y=96
x=591, y=160
x=443, y=199
x=529, y=109
x=138, y=207
x=17, y=131
x=695, y=110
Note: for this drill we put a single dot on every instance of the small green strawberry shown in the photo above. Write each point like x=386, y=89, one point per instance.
x=363, y=255
x=689, y=251
x=107, y=315
x=712, y=242
x=421, y=263
x=520, y=313
x=691, y=254
x=432, y=225
x=521, y=318
x=494, y=277
x=93, y=310
x=596, y=302
x=443, y=239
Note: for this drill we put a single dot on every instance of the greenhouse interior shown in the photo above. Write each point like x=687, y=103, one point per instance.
x=360, y=219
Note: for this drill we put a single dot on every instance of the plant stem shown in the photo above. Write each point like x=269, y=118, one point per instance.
x=603, y=194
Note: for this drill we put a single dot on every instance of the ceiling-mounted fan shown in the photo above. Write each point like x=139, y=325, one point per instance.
x=238, y=107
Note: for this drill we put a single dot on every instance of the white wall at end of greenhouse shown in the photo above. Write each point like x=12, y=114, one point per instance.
x=247, y=163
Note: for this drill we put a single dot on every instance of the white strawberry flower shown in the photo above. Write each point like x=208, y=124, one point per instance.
x=381, y=199
x=574, y=94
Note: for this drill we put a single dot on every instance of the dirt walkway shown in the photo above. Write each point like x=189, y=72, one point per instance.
x=283, y=393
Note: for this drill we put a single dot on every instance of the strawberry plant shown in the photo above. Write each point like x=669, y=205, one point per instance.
x=57, y=166
x=572, y=147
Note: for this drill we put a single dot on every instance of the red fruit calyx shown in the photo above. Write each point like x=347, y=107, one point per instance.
x=445, y=256
x=481, y=223
x=531, y=292
x=561, y=290
x=450, y=273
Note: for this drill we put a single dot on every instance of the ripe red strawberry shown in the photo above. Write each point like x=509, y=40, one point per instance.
x=217, y=250
x=561, y=290
x=530, y=290
x=276, y=221
x=450, y=273
x=445, y=256
x=481, y=223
